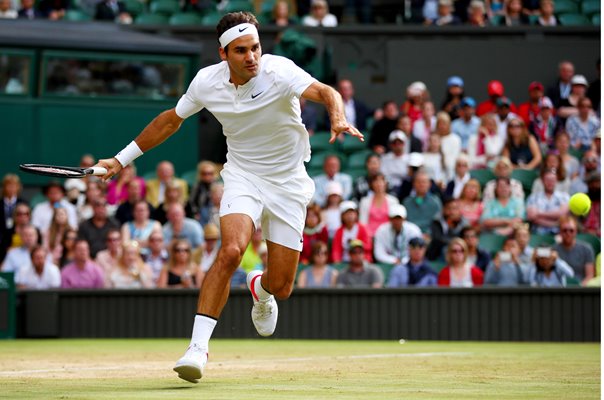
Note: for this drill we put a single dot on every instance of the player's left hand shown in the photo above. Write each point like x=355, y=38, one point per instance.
x=345, y=128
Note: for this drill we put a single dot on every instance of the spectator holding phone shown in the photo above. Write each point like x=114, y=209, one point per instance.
x=507, y=268
x=549, y=270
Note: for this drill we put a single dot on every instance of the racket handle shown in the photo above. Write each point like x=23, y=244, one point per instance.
x=97, y=171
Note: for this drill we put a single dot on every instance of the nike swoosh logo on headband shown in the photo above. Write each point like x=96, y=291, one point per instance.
x=242, y=29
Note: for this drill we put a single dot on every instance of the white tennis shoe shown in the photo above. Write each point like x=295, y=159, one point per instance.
x=264, y=312
x=190, y=366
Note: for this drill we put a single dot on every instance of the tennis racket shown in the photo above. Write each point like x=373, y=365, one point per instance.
x=62, y=172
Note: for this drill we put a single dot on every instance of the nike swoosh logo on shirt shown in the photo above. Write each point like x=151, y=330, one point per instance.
x=256, y=95
x=242, y=29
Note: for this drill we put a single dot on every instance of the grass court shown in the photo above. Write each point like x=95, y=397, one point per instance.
x=296, y=369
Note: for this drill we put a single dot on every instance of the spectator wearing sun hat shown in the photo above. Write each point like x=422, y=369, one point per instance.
x=529, y=110
x=394, y=163
x=391, y=241
x=468, y=123
x=570, y=106
x=351, y=229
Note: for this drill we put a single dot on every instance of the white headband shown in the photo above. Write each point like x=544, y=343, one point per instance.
x=237, y=31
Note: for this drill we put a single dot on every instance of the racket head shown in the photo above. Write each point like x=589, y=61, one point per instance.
x=53, y=170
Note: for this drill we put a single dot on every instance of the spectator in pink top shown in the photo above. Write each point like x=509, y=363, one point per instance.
x=82, y=273
x=117, y=189
x=373, y=208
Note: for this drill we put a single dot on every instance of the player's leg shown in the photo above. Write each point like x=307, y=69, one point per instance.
x=281, y=270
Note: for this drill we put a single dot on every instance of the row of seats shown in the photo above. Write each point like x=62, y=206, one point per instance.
x=493, y=242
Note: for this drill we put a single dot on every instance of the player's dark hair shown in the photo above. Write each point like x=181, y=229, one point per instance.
x=233, y=19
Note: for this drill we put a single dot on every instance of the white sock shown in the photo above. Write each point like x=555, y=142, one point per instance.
x=202, y=330
x=259, y=290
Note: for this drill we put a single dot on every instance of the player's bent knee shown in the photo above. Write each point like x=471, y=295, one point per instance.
x=230, y=256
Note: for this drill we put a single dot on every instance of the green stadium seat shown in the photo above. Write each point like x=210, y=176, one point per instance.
x=526, y=177
x=437, y=265
x=190, y=177
x=482, y=176
x=566, y=7
x=386, y=269
x=320, y=142
x=134, y=7
x=355, y=172
x=312, y=172
x=357, y=159
x=595, y=20
x=593, y=240
x=577, y=153
x=211, y=19
x=496, y=20
x=533, y=19
x=151, y=19
x=149, y=175
x=165, y=7
x=542, y=240
x=185, y=19
x=76, y=16
x=491, y=242
x=352, y=144
x=37, y=199
x=573, y=20
x=590, y=7
x=238, y=5
x=317, y=159
x=572, y=282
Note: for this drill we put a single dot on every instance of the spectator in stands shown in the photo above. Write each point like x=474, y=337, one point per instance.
x=476, y=256
x=592, y=223
x=12, y=237
x=251, y=259
x=444, y=228
x=19, y=257
x=94, y=191
x=125, y=211
x=530, y=110
x=82, y=272
x=503, y=169
x=415, y=162
x=495, y=90
x=211, y=212
x=28, y=11
x=207, y=174
x=521, y=147
x=434, y=161
x=477, y=15
x=570, y=105
x=583, y=126
x=513, y=15
x=553, y=162
x=423, y=127
x=422, y=206
x=404, y=124
x=173, y=195
x=319, y=274
x=544, y=209
x=545, y=126
x=6, y=10
x=356, y=111
x=453, y=97
x=180, y=227
x=470, y=202
x=359, y=272
x=448, y=141
x=67, y=245
x=373, y=208
x=485, y=147
x=504, y=212
x=156, y=187
x=54, y=10
x=429, y=11
x=315, y=230
x=117, y=189
x=280, y=15
x=392, y=238
x=417, y=272
x=373, y=166
x=210, y=247
x=417, y=93
x=350, y=229
x=549, y=270
x=460, y=178
x=43, y=212
x=380, y=133
x=590, y=163
x=546, y=14
x=394, y=163
x=156, y=255
x=53, y=236
x=331, y=212
x=331, y=173
x=561, y=89
x=180, y=271
x=11, y=197
x=40, y=273
x=112, y=10
x=131, y=272
x=578, y=254
x=459, y=272
x=320, y=15
x=507, y=268
x=468, y=123
x=504, y=115
x=522, y=234
x=571, y=164
x=95, y=229
x=107, y=259
x=445, y=14
x=141, y=227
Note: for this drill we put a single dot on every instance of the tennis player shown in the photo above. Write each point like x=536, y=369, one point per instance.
x=256, y=99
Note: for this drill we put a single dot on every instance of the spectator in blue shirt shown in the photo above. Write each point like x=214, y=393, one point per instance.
x=416, y=272
x=468, y=123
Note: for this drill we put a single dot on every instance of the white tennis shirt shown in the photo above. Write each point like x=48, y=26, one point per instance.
x=260, y=119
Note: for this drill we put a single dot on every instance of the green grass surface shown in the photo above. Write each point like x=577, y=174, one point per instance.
x=286, y=369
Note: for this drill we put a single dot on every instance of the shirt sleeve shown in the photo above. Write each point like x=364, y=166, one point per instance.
x=190, y=103
x=296, y=80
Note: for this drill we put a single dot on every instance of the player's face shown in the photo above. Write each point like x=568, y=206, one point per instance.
x=243, y=58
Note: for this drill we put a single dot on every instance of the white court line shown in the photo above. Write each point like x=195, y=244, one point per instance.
x=219, y=364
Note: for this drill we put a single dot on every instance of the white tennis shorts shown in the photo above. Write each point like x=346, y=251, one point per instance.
x=279, y=208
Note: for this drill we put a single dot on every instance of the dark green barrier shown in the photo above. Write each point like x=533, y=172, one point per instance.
x=7, y=305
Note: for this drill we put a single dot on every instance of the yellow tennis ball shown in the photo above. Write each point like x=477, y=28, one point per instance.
x=579, y=204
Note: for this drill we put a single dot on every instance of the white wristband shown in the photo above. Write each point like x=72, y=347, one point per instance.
x=129, y=154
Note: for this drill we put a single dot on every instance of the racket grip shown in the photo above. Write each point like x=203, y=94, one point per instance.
x=97, y=171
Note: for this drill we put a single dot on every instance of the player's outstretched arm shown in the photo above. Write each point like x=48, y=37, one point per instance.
x=321, y=93
x=162, y=127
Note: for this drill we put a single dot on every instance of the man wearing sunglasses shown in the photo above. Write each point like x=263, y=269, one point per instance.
x=579, y=255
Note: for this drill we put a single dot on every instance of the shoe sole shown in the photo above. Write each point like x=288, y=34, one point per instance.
x=188, y=373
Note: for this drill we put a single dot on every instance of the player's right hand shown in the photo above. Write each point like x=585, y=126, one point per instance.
x=112, y=165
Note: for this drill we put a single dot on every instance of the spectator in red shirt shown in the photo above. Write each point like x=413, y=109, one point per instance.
x=495, y=90
x=530, y=110
x=458, y=272
x=351, y=229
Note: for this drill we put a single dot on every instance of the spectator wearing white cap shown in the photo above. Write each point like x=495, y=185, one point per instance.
x=331, y=173
x=320, y=15
x=414, y=164
x=350, y=230
x=394, y=163
x=417, y=93
x=391, y=242
x=545, y=126
x=570, y=105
